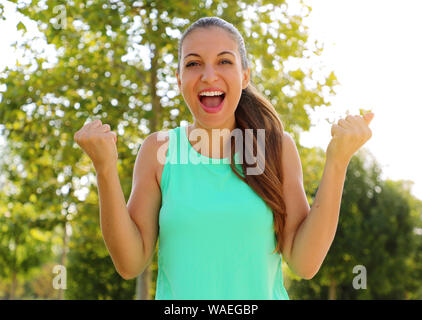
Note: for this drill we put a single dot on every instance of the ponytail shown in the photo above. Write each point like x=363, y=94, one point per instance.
x=254, y=111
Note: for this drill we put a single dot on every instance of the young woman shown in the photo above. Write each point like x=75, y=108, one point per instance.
x=223, y=229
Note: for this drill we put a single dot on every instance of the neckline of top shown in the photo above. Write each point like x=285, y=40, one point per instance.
x=184, y=129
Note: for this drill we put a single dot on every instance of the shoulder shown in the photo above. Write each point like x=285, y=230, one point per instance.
x=290, y=156
x=156, y=146
x=287, y=138
x=156, y=139
x=150, y=146
x=154, y=143
x=148, y=157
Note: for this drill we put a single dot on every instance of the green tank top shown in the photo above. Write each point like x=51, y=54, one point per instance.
x=216, y=234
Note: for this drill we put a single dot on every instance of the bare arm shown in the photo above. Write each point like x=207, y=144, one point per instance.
x=311, y=235
x=130, y=232
x=309, y=232
x=316, y=233
x=121, y=236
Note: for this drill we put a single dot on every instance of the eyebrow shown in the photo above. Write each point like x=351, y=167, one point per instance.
x=221, y=53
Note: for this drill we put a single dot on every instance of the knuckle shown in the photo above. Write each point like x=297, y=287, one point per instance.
x=94, y=123
x=95, y=137
x=349, y=133
x=84, y=138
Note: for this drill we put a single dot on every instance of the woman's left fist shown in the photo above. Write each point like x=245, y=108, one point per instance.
x=348, y=135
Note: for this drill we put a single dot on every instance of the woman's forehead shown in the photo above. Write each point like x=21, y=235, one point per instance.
x=209, y=39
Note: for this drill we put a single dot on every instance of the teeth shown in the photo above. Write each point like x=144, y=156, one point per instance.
x=211, y=93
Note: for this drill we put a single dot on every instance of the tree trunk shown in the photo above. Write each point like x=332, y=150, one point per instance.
x=332, y=294
x=14, y=269
x=142, y=285
x=63, y=257
x=13, y=286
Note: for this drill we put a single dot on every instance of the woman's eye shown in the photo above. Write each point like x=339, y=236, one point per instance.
x=190, y=64
x=193, y=63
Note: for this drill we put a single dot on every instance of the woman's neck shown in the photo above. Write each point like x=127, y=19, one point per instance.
x=211, y=142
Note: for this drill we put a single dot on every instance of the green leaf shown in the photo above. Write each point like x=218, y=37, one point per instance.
x=21, y=26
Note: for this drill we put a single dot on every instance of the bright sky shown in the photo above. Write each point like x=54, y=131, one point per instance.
x=375, y=49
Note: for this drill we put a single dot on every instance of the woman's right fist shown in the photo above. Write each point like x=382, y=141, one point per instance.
x=99, y=143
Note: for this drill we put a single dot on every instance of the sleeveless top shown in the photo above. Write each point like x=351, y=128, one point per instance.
x=216, y=234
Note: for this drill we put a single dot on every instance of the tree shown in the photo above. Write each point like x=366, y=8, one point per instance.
x=99, y=72
x=376, y=230
x=26, y=237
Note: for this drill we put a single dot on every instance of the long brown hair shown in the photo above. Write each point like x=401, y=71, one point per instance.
x=255, y=112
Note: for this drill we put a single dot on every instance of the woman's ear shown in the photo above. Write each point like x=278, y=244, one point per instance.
x=246, y=78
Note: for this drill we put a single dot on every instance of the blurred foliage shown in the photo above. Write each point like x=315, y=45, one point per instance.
x=377, y=230
x=26, y=235
x=41, y=283
x=99, y=71
x=91, y=274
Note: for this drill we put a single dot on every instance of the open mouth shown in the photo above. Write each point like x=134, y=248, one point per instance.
x=212, y=101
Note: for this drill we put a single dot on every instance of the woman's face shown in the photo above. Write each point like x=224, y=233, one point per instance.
x=210, y=60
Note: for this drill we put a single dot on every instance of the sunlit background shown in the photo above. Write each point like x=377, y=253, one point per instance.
x=375, y=50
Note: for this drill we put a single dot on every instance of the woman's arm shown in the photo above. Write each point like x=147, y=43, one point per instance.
x=315, y=234
x=309, y=235
x=121, y=235
x=131, y=231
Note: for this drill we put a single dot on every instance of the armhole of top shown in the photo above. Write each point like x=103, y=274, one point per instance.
x=169, y=155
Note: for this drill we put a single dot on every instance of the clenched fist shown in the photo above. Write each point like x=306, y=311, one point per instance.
x=348, y=136
x=99, y=143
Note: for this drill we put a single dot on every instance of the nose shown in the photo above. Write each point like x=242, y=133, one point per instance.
x=209, y=74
